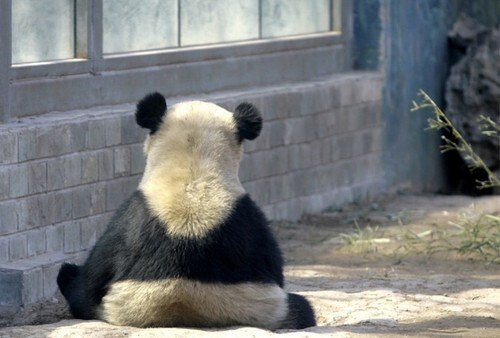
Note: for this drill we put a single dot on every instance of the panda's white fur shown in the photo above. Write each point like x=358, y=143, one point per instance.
x=191, y=183
x=191, y=177
x=189, y=247
x=180, y=301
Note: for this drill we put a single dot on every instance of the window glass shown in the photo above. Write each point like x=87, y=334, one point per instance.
x=213, y=21
x=42, y=30
x=132, y=25
x=292, y=17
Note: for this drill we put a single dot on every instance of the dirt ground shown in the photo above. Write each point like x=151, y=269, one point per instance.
x=372, y=287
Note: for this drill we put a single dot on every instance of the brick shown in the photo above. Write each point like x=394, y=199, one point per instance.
x=345, y=144
x=53, y=140
x=27, y=144
x=347, y=93
x=4, y=183
x=18, y=247
x=37, y=178
x=55, y=238
x=280, y=105
x=280, y=188
x=325, y=123
x=265, y=163
x=369, y=115
x=137, y=159
x=369, y=90
x=343, y=118
x=298, y=183
x=277, y=131
x=4, y=249
x=102, y=222
x=18, y=178
x=119, y=190
x=259, y=191
x=88, y=232
x=357, y=119
x=357, y=144
x=312, y=182
x=367, y=142
x=324, y=180
x=36, y=211
x=97, y=134
x=90, y=168
x=278, y=161
x=97, y=198
x=8, y=217
x=122, y=161
x=55, y=174
x=72, y=170
x=71, y=237
x=50, y=273
x=315, y=150
x=113, y=131
x=105, y=164
x=62, y=205
x=130, y=131
x=11, y=286
x=8, y=148
x=373, y=166
x=346, y=173
x=377, y=140
x=246, y=173
x=318, y=99
x=36, y=242
x=258, y=164
x=32, y=286
x=300, y=130
x=79, y=136
x=326, y=150
x=289, y=210
x=299, y=156
x=64, y=172
x=81, y=201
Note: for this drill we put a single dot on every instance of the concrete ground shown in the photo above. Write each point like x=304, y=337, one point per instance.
x=382, y=284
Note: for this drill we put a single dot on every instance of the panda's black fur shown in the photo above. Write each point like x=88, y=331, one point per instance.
x=136, y=248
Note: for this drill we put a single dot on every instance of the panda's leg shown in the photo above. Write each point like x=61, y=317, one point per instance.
x=71, y=284
x=300, y=313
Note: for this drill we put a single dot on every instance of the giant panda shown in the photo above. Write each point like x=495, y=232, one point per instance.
x=189, y=247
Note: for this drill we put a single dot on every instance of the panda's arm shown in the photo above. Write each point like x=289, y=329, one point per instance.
x=100, y=267
x=266, y=257
x=108, y=259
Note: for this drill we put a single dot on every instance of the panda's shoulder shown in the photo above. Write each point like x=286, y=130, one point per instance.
x=130, y=218
x=249, y=221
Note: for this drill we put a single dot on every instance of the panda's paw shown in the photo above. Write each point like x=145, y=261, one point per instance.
x=67, y=273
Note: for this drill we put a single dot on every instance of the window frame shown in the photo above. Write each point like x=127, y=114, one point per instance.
x=92, y=61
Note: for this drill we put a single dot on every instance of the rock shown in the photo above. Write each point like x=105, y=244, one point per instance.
x=465, y=30
x=473, y=87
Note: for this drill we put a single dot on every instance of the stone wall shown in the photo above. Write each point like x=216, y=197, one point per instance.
x=407, y=40
x=62, y=175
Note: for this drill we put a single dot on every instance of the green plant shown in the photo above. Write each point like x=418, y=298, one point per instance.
x=472, y=235
x=459, y=143
x=362, y=238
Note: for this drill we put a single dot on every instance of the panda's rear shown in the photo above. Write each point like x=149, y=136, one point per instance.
x=190, y=247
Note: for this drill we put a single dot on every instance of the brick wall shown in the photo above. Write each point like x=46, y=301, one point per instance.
x=63, y=174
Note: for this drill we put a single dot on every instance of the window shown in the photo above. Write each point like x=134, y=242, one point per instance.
x=70, y=54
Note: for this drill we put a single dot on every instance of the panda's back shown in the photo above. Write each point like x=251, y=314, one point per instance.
x=233, y=263
x=242, y=249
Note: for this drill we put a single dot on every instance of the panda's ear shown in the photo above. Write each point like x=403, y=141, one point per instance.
x=150, y=111
x=248, y=121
